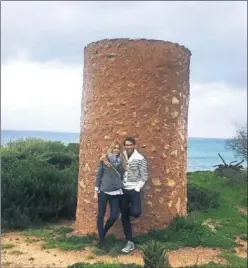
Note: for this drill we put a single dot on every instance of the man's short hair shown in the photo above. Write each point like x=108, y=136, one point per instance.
x=131, y=139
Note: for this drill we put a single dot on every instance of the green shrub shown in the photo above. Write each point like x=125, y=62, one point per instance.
x=60, y=160
x=13, y=156
x=74, y=148
x=200, y=199
x=34, y=146
x=34, y=191
x=39, y=182
x=154, y=255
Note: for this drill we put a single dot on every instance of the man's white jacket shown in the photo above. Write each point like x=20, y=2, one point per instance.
x=136, y=174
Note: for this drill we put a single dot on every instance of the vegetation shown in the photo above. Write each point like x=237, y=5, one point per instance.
x=238, y=144
x=154, y=255
x=227, y=220
x=39, y=186
x=201, y=199
x=39, y=182
x=104, y=265
x=7, y=246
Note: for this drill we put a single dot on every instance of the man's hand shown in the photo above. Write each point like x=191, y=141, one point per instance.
x=137, y=189
x=95, y=195
x=105, y=161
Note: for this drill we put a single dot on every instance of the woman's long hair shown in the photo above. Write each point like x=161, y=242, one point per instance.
x=122, y=156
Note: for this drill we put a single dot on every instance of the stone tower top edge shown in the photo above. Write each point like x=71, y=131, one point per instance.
x=115, y=41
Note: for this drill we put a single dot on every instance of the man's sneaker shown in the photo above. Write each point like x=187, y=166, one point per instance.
x=129, y=247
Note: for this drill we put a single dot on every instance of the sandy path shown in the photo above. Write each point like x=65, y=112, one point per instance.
x=34, y=256
x=26, y=255
x=241, y=251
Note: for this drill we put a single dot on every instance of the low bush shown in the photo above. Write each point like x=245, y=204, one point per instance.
x=200, y=199
x=74, y=148
x=34, y=146
x=37, y=185
x=59, y=160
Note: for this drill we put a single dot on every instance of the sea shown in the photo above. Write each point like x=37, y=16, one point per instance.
x=202, y=153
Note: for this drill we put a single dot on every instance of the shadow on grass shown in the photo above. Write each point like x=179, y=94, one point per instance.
x=182, y=232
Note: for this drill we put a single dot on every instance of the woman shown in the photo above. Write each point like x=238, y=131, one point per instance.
x=108, y=184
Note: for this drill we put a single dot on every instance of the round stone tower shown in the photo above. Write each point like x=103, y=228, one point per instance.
x=136, y=88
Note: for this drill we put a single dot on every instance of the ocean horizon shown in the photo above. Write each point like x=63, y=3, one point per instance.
x=202, y=153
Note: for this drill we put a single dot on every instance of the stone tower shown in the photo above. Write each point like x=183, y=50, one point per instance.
x=136, y=88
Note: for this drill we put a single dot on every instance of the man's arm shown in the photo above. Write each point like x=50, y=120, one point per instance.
x=143, y=174
x=121, y=170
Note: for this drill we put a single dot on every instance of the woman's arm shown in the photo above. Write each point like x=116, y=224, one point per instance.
x=104, y=159
x=99, y=173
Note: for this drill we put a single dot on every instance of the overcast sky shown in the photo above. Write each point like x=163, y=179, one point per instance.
x=42, y=58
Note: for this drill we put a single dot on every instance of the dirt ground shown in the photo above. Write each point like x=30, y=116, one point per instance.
x=241, y=250
x=25, y=254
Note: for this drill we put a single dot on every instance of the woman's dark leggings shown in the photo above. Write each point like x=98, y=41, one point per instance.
x=103, y=200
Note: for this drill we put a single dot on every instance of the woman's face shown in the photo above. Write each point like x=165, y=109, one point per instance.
x=116, y=149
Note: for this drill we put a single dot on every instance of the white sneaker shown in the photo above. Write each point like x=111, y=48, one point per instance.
x=129, y=247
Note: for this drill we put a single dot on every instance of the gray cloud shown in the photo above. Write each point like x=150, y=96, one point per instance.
x=215, y=32
x=43, y=42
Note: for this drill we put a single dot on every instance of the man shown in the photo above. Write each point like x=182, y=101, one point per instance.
x=134, y=179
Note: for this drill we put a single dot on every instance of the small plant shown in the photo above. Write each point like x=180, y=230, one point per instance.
x=154, y=255
x=90, y=257
x=7, y=246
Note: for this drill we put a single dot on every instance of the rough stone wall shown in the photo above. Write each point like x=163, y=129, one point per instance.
x=136, y=88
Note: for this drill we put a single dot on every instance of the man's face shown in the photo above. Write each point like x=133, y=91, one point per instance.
x=129, y=146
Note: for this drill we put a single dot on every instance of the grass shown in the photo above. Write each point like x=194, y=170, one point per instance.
x=7, y=246
x=190, y=231
x=44, y=232
x=182, y=232
x=55, y=237
x=104, y=265
x=232, y=221
x=233, y=262
x=31, y=240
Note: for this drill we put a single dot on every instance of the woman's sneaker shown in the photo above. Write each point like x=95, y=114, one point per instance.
x=102, y=244
x=129, y=247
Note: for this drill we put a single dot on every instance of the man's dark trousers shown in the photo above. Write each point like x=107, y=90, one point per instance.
x=130, y=205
